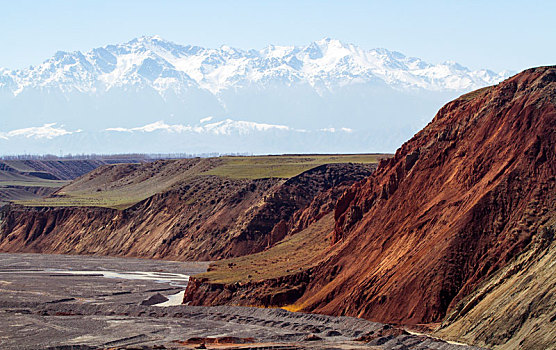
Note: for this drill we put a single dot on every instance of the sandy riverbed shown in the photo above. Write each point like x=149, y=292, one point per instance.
x=51, y=301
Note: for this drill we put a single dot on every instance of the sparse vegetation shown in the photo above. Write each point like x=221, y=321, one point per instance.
x=294, y=254
x=286, y=166
x=121, y=186
x=471, y=95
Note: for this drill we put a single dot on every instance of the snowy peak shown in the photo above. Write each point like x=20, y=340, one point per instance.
x=223, y=127
x=152, y=62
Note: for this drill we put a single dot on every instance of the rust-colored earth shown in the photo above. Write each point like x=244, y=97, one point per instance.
x=457, y=202
x=202, y=217
x=428, y=233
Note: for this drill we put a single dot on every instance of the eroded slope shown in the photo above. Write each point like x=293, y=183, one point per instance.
x=190, y=215
x=515, y=308
x=464, y=207
x=456, y=203
x=31, y=180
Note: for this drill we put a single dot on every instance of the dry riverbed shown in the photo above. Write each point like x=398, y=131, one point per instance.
x=89, y=302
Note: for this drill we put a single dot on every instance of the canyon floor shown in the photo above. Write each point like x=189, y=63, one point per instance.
x=91, y=302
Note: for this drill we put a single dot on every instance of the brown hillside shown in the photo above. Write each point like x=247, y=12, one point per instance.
x=33, y=179
x=457, y=202
x=515, y=308
x=187, y=216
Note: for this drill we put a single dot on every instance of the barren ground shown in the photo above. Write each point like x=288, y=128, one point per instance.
x=45, y=305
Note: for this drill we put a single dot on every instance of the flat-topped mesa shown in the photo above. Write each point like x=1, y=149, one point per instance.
x=459, y=200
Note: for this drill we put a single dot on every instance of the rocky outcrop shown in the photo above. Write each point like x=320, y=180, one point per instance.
x=200, y=218
x=513, y=309
x=274, y=292
x=455, y=204
x=287, y=209
x=458, y=221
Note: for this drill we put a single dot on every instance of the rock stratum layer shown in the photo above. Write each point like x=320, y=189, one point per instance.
x=514, y=309
x=469, y=196
x=200, y=217
x=455, y=204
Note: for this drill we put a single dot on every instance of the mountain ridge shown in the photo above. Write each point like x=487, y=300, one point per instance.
x=487, y=157
x=167, y=65
x=79, y=101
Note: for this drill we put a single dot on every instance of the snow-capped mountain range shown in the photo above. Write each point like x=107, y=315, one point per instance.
x=163, y=65
x=157, y=86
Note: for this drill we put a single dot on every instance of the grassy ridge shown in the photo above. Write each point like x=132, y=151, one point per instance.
x=16, y=179
x=121, y=186
x=259, y=167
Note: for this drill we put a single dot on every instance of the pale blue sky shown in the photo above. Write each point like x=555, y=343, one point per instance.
x=499, y=35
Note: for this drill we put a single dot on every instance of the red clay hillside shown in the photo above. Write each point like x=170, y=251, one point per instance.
x=458, y=201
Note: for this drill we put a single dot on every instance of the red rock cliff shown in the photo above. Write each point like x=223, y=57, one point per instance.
x=457, y=202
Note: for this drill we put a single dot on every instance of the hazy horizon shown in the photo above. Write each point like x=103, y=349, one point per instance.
x=474, y=33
